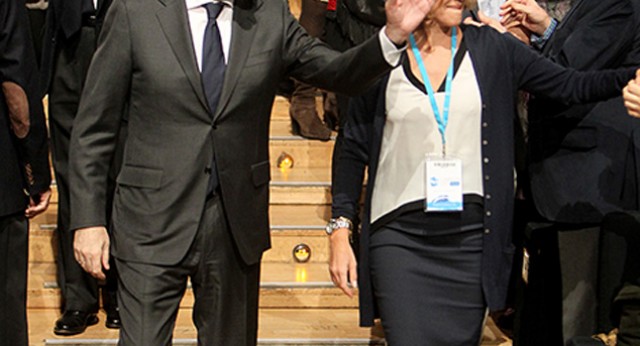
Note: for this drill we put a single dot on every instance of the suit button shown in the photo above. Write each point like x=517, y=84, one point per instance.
x=485, y=124
x=485, y=142
x=488, y=196
x=486, y=160
x=486, y=177
x=487, y=231
x=488, y=213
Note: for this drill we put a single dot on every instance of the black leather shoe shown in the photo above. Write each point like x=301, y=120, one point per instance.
x=113, y=318
x=74, y=322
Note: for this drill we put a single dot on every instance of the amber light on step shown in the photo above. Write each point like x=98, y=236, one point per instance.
x=285, y=161
x=302, y=253
x=301, y=274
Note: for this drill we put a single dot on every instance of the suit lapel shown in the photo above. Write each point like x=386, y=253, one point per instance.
x=242, y=33
x=175, y=25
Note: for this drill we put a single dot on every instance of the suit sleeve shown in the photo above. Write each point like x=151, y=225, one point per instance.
x=18, y=68
x=312, y=61
x=538, y=75
x=102, y=105
x=598, y=41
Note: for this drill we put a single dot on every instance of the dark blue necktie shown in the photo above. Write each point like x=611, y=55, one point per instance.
x=213, y=68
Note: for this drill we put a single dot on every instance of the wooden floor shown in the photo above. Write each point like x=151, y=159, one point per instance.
x=277, y=327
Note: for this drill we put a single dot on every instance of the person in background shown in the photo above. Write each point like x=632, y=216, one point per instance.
x=25, y=177
x=589, y=143
x=37, y=10
x=348, y=23
x=304, y=115
x=435, y=136
x=70, y=39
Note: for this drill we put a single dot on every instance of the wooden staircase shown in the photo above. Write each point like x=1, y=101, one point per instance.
x=298, y=303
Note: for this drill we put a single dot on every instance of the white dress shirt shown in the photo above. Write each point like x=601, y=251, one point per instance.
x=198, y=19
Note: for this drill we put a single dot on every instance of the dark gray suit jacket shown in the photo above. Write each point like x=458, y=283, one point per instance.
x=145, y=62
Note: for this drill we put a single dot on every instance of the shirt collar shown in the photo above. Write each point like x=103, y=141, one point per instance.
x=191, y=4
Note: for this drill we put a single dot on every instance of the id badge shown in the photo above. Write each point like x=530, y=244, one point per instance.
x=443, y=184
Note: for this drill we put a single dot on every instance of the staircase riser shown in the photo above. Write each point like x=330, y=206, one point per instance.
x=43, y=246
x=304, y=153
x=295, y=194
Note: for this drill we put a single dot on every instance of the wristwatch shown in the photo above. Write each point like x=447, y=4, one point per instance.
x=341, y=222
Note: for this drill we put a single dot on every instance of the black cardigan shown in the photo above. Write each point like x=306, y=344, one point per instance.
x=503, y=65
x=24, y=163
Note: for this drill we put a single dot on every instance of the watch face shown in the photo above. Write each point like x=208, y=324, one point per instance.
x=329, y=228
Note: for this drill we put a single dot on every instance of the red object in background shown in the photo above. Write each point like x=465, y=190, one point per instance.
x=332, y=5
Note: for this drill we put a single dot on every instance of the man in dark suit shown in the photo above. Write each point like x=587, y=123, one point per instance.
x=70, y=41
x=580, y=165
x=198, y=80
x=25, y=175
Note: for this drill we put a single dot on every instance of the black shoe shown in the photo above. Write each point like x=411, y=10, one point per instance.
x=74, y=322
x=113, y=318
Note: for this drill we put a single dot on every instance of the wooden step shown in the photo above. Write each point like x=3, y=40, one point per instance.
x=276, y=327
x=337, y=327
x=284, y=183
x=293, y=216
x=274, y=275
x=284, y=242
x=43, y=244
x=305, y=153
x=283, y=285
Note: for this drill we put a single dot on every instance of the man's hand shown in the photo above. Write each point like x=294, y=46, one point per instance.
x=91, y=249
x=526, y=13
x=39, y=206
x=631, y=95
x=342, y=262
x=519, y=32
x=404, y=17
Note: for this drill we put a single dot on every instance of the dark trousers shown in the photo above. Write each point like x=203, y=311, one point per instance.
x=428, y=288
x=226, y=290
x=14, y=249
x=79, y=289
x=559, y=300
x=619, y=264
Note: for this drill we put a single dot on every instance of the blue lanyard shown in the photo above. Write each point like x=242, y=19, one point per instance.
x=444, y=119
